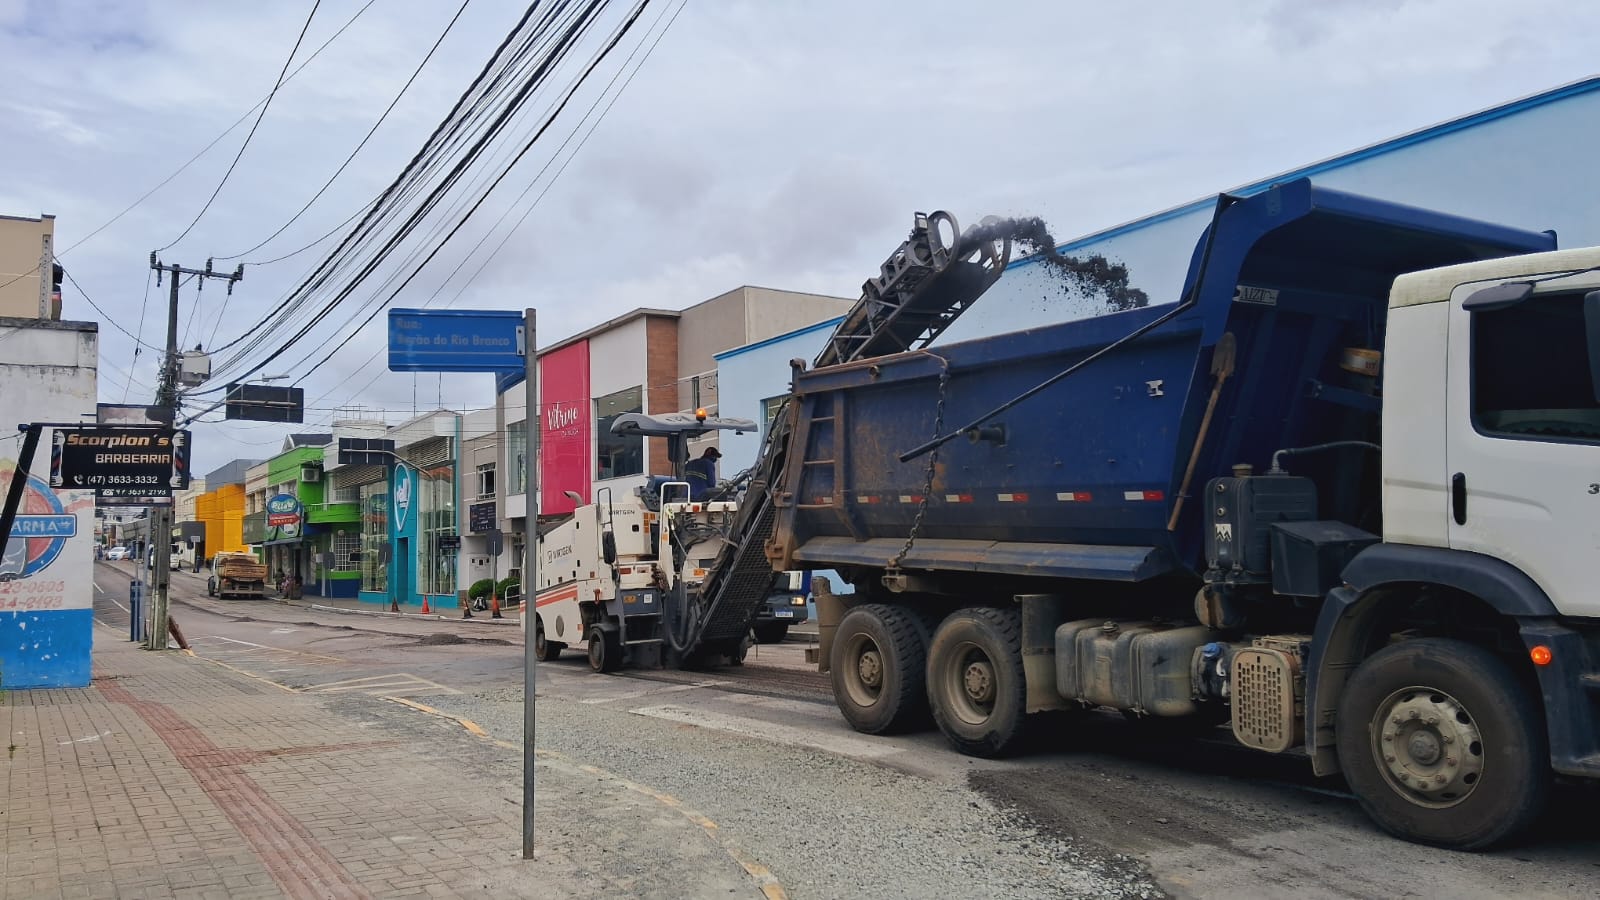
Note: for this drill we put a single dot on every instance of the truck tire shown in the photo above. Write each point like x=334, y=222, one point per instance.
x=543, y=650
x=1443, y=745
x=771, y=632
x=878, y=664
x=605, y=652
x=975, y=681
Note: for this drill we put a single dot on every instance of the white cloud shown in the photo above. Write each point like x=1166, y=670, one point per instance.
x=778, y=144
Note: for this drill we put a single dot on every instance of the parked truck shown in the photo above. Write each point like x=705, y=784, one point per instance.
x=1339, y=496
x=237, y=575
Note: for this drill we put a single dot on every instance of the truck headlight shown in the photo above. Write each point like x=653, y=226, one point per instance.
x=797, y=601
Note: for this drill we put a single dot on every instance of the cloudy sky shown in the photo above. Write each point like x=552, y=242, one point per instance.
x=764, y=142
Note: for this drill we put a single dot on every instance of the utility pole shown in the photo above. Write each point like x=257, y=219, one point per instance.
x=167, y=400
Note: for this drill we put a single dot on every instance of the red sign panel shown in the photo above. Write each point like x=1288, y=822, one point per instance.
x=565, y=457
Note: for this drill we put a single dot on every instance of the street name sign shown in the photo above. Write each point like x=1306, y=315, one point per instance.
x=455, y=340
x=152, y=461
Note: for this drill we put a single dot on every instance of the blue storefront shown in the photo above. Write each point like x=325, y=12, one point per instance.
x=409, y=541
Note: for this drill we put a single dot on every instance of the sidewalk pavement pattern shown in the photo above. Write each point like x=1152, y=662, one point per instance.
x=173, y=777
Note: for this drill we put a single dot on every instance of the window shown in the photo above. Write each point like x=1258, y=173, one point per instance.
x=345, y=544
x=1531, y=371
x=436, y=562
x=516, y=453
x=344, y=495
x=374, y=536
x=769, y=411
x=619, y=456
x=486, y=481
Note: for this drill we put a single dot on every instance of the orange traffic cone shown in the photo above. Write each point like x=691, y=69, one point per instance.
x=425, y=610
x=494, y=606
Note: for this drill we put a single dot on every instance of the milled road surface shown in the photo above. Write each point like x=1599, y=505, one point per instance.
x=1109, y=811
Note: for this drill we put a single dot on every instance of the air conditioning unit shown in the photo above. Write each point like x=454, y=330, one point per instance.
x=311, y=474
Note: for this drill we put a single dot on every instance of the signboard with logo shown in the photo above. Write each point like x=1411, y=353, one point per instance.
x=565, y=454
x=285, y=517
x=404, y=493
x=47, y=566
x=153, y=461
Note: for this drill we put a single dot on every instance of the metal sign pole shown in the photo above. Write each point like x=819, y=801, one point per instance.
x=19, y=481
x=530, y=574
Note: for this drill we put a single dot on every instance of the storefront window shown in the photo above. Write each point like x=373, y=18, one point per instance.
x=374, y=536
x=345, y=545
x=436, y=557
x=516, y=457
x=619, y=456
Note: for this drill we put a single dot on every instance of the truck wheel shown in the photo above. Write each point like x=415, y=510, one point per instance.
x=771, y=632
x=975, y=681
x=604, y=653
x=211, y=587
x=543, y=650
x=878, y=667
x=1443, y=745
x=738, y=650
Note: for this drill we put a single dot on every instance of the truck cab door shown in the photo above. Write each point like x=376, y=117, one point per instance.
x=1523, y=447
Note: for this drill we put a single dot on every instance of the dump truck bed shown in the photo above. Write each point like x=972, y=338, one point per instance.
x=1079, y=481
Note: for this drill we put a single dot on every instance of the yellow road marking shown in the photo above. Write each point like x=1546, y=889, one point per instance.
x=218, y=662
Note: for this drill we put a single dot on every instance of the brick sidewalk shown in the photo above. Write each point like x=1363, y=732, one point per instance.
x=171, y=777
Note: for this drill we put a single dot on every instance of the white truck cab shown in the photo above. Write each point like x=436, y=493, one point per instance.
x=1492, y=417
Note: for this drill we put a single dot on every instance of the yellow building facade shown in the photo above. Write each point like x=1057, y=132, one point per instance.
x=222, y=511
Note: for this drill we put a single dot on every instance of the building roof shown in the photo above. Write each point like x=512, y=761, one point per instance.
x=757, y=345
x=307, y=439
x=1411, y=138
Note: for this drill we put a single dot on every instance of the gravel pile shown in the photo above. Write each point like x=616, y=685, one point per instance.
x=827, y=826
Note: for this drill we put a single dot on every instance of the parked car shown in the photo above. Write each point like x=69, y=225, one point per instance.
x=117, y=553
x=786, y=606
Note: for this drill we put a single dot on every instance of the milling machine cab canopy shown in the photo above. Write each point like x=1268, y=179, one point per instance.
x=678, y=428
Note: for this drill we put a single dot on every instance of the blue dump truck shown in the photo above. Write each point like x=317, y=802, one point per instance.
x=1338, y=492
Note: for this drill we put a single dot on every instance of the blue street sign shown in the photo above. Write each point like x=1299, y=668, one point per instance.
x=455, y=340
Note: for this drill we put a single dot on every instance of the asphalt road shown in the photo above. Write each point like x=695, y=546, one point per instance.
x=1105, y=810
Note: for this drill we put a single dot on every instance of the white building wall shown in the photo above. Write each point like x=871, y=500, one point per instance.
x=47, y=374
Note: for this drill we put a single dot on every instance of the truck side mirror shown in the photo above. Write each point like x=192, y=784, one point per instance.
x=1591, y=330
x=608, y=546
x=1499, y=296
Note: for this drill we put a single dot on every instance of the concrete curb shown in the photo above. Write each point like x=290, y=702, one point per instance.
x=386, y=614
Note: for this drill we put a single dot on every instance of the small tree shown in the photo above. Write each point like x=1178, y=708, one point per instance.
x=481, y=588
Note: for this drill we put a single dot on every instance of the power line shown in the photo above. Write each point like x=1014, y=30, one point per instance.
x=627, y=25
x=482, y=266
x=447, y=132
x=264, y=106
x=103, y=314
x=207, y=148
x=149, y=278
x=370, y=132
x=419, y=163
